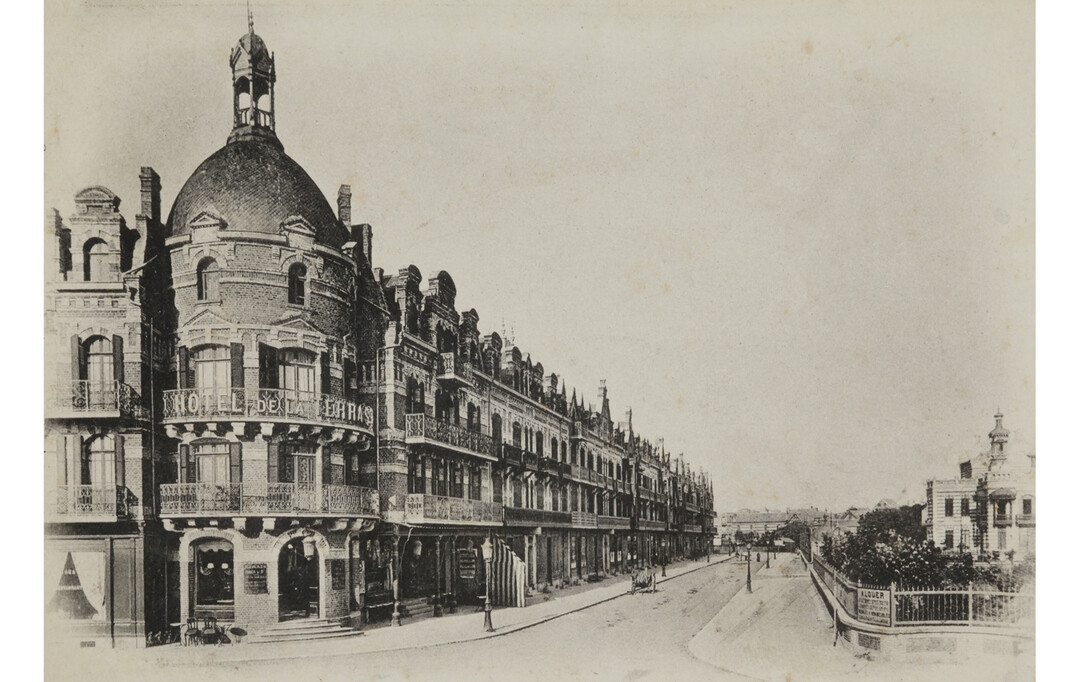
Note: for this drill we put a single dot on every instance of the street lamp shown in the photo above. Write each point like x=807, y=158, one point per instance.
x=749, y=586
x=486, y=549
x=663, y=559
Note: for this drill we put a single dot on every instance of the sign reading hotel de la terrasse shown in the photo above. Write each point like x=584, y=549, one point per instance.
x=266, y=403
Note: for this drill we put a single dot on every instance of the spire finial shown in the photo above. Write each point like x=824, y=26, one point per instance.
x=251, y=19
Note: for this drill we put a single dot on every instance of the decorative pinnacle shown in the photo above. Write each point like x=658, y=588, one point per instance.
x=251, y=19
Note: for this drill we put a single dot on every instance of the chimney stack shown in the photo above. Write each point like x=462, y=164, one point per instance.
x=344, y=205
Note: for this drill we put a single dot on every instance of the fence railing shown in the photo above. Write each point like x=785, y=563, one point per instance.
x=617, y=522
x=650, y=524
x=538, y=517
x=890, y=606
x=423, y=426
x=179, y=499
x=583, y=519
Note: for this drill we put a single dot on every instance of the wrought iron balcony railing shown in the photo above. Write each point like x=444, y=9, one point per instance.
x=231, y=499
x=88, y=502
x=530, y=460
x=1003, y=519
x=650, y=524
x=421, y=508
x=101, y=398
x=272, y=404
x=549, y=465
x=579, y=473
x=420, y=427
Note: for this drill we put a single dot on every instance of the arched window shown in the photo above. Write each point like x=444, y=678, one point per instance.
x=213, y=368
x=516, y=435
x=214, y=572
x=496, y=428
x=297, y=284
x=95, y=260
x=97, y=466
x=296, y=371
x=209, y=276
x=554, y=448
x=539, y=444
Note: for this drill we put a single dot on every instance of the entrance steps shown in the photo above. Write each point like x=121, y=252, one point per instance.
x=417, y=607
x=302, y=630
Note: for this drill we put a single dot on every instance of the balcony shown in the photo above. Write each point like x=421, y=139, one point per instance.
x=1025, y=519
x=511, y=454
x=650, y=524
x=265, y=404
x=530, y=460
x=616, y=522
x=579, y=473
x=421, y=508
x=691, y=528
x=564, y=469
x=454, y=370
x=98, y=399
x=549, y=465
x=580, y=519
x=88, y=503
x=1003, y=520
x=536, y=517
x=420, y=428
x=267, y=499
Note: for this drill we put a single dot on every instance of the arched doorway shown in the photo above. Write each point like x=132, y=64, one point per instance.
x=211, y=587
x=298, y=579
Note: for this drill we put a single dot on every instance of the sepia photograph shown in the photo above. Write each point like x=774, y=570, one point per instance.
x=615, y=340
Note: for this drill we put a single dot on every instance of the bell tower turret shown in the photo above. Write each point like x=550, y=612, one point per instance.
x=253, y=77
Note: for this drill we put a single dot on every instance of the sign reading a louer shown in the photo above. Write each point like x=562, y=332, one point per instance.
x=266, y=403
x=874, y=606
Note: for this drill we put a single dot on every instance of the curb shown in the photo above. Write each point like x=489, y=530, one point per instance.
x=491, y=635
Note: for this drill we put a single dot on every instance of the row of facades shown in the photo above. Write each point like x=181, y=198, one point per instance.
x=249, y=420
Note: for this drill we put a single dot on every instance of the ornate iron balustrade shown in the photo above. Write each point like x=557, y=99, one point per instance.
x=102, y=396
x=72, y=501
x=1003, y=519
x=581, y=519
x=579, y=473
x=441, y=431
x=454, y=368
x=564, y=469
x=209, y=499
x=530, y=460
x=264, y=403
x=436, y=508
x=549, y=465
x=617, y=522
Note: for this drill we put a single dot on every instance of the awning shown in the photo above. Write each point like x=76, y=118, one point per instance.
x=1003, y=494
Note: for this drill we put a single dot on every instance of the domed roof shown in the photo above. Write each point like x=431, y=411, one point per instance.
x=253, y=186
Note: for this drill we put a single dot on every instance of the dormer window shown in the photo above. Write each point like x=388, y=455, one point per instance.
x=297, y=284
x=208, y=280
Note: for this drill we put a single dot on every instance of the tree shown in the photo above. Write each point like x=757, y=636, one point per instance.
x=905, y=522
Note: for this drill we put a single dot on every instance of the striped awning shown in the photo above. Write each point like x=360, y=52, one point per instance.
x=1003, y=494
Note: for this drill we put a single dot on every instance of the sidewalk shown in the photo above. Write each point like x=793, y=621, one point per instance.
x=783, y=632
x=464, y=626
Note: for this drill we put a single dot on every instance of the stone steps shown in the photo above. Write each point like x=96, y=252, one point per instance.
x=302, y=630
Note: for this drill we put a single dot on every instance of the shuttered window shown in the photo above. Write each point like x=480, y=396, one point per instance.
x=213, y=368
x=212, y=462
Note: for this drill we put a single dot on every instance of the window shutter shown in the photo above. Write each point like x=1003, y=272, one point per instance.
x=183, y=368
x=186, y=475
x=78, y=359
x=272, y=463
x=324, y=371
x=118, y=357
x=118, y=441
x=236, y=354
x=268, y=366
x=235, y=473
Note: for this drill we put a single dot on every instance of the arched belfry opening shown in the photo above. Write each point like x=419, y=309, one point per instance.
x=253, y=85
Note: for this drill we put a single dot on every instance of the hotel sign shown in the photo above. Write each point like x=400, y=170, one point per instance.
x=266, y=403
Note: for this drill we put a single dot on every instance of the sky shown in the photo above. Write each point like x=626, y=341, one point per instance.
x=797, y=238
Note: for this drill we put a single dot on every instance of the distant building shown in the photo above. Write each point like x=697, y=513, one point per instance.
x=749, y=522
x=989, y=510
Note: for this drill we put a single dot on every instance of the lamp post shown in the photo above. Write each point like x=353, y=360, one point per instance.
x=663, y=559
x=767, y=556
x=749, y=586
x=486, y=549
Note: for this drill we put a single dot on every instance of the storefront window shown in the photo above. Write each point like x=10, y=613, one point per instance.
x=214, y=574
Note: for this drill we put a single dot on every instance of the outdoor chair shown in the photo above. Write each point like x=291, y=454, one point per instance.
x=211, y=633
x=192, y=634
